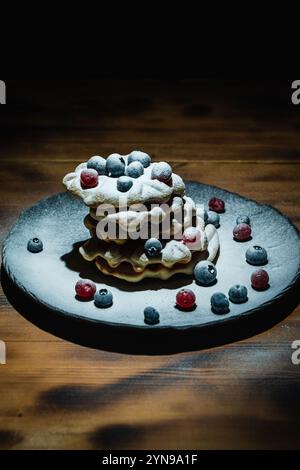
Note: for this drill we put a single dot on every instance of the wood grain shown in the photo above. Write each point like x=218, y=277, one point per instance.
x=56, y=394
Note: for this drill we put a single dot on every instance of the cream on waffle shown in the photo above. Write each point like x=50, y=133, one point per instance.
x=144, y=189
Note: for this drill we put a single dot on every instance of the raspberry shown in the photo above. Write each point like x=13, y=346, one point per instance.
x=89, y=178
x=260, y=279
x=85, y=289
x=185, y=299
x=191, y=237
x=242, y=232
x=162, y=172
x=217, y=205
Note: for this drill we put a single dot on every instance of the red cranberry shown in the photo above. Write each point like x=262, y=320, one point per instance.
x=260, y=279
x=191, y=237
x=217, y=205
x=185, y=299
x=242, y=232
x=89, y=178
x=85, y=289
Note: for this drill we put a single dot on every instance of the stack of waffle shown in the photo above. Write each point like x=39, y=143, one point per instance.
x=121, y=222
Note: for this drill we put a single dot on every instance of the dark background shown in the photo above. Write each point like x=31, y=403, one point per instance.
x=243, y=135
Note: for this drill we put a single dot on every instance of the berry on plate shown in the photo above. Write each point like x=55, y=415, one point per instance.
x=260, y=279
x=185, y=299
x=85, y=289
x=243, y=219
x=217, y=205
x=205, y=273
x=115, y=165
x=142, y=157
x=219, y=303
x=124, y=183
x=103, y=298
x=213, y=218
x=162, y=171
x=238, y=294
x=89, y=178
x=97, y=163
x=153, y=247
x=256, y=255
x=134, y=170
x=242, y=232
x=151, y=316
x=35, y=245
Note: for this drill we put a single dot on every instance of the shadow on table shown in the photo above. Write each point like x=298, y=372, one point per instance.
x=150, y=340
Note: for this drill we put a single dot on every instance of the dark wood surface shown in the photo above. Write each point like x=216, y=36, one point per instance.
x=56, y=394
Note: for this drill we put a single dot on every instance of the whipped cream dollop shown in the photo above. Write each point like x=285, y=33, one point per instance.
x=144, y=189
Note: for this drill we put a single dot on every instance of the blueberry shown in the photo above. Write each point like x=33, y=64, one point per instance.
x=256, y=255
x=205, y=273
x=161, y=171
x=35, y=245
x=142, y=157
x=152, y=247
x=151, y=316
x=205, y=216
x=243, y=219
x=134, y=169
x=238, y=294
x=219, y=303
x=103, y=298
x=97, y=163
x=124, y=183
x=115, y=165
x=213, y=218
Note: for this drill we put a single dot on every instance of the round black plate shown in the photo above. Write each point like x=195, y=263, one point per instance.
x=49, y=277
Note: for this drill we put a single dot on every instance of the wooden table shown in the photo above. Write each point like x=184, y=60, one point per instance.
x=244, y=137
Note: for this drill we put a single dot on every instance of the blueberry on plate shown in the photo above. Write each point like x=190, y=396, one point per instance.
x=219, y=303
x=205, y=273
x=213, y=218
x=153, y=247
x=256, y=255
x=137, y=156
x=103, y=298
x=35, y=245
x=243, y=219
x=134, y=170
x=238, y=294
x=151, y=316
x=115, y=165
x=124, y=183
x=97, y=163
